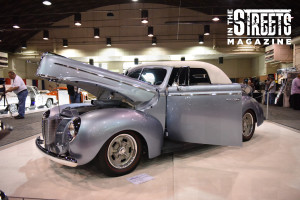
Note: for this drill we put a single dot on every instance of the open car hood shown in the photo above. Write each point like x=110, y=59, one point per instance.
x=95, y=80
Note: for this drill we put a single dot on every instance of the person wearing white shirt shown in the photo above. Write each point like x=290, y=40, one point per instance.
x=19, y=88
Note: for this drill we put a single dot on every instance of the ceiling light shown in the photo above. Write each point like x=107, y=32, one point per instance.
x=47, y=3
x=215, y=19
x=96, y=33
x=16, y=26
x=150, y=31
x=154, y=42
x=77, y=19
x=46, y=35
x=144, y=16
x=16, y=22
x=201, y=39
x=108, y=42
x=65, y=43
x=206, y=30
x=135, y=0
x=24, y=45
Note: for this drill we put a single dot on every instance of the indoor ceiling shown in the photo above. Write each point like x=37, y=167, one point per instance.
x=34, y=17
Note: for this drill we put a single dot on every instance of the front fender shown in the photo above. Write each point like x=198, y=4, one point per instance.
x=99, y=125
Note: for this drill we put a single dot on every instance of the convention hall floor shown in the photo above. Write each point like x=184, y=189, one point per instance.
x=267, y=167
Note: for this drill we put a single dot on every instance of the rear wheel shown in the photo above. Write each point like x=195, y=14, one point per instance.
x=248, y=125
x=49, y=103
x=120, y=154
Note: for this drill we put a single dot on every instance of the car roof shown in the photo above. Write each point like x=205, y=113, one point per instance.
x=216, y=75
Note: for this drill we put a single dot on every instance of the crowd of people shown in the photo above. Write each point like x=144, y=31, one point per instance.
x=271, y=88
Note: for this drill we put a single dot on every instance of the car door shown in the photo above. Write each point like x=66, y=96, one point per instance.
x=201, y=112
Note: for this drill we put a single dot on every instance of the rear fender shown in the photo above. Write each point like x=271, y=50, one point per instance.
x=249, y=103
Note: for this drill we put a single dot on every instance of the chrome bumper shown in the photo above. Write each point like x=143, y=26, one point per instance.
x=64, y=160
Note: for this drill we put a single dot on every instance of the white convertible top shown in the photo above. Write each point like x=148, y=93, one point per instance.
x=216, y=75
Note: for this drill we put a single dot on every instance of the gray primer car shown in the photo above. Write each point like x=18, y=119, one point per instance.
x=183, y=101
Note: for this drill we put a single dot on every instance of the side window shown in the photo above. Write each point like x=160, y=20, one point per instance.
x=180, y=76
x=199, y=76
x=134, y=74
x=153, y=76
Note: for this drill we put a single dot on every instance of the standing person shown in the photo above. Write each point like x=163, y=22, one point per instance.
x=267, y=85
x=71, y=92
x=251, y=86
x=77, y=94
x=19, y=88
x=295, y=93
x=272, y=90
x=74, y=93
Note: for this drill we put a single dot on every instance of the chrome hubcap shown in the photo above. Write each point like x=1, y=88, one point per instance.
x=247, y=124
x=122, y=151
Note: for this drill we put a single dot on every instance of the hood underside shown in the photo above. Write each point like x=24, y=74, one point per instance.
x=95, y=80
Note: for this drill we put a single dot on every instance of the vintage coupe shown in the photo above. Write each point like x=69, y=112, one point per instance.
x=183, y=101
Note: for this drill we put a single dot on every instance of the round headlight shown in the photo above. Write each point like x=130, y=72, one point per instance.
x=73, y=127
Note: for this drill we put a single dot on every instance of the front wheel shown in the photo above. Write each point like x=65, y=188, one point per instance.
x=120, y=154
x=13, y=108
x=248, y=125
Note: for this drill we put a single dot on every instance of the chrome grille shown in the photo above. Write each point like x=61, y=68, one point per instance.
x=49, y=130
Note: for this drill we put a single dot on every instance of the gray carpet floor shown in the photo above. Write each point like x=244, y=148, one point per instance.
x=285, y=116
x=23, y=128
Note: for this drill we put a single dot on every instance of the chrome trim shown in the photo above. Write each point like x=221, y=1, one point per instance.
x=237, y=99
x=202, y=94
x=64, y=160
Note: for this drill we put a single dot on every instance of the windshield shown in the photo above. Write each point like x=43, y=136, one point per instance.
x=152, y=76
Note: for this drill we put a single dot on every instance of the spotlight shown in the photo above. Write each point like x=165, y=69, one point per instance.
x=77, y=19
x=16, y=26
x=144, y=16
x=47, y=3
x=46, y=35
x=150, y=31
x=16, y=22
x=96, y=33
x=154, y=42
x=215, y=19
x=206, y=29
x=108, y=42
x=24, y=45
x=201, y=39
x=65, y=43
